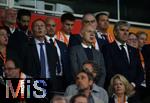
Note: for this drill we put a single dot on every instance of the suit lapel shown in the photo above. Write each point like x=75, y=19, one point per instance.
x=131, y=55
x=52, y=58
x=35, y=56
x=94, y=55
x=60, y=47
x=82, y=53
x=118, y=52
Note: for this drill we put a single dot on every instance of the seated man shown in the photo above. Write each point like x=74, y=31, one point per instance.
x=92, y=67
x=13, y=81
x=20, y=87
x=85, y=85
x=59, y=99
x=79, y=98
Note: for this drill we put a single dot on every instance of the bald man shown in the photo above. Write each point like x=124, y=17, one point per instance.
x=80, y=53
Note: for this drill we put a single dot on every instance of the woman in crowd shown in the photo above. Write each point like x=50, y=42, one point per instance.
x=121, y=91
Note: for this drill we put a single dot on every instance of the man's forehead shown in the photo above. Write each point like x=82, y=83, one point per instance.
x=11, y=10
x=81, y=74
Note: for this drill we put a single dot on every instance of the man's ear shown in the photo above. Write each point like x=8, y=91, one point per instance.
x=115, y=33
x=91, y=82
x=81, y=34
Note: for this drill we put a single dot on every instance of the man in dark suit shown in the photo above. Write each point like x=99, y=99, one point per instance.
x=102, y=19
x=87, y=19
x=146, y=55
x=145, y=50
x=37, y=56
x=80, y=53
x=21, y=35
x=121, y=58
x=23, y=20
x=10, y=20
x=63, y=72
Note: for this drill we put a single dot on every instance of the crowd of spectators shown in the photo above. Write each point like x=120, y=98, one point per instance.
x=89, y=67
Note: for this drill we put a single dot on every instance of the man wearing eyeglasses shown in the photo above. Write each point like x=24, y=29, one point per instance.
x=62, y=69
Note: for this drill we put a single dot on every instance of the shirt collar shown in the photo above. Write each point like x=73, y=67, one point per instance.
x=48, y=37
x=85, y=46
x=99, y=33
x=119, y=44
x=95, y=88
x=37, y=41
x=115, y=97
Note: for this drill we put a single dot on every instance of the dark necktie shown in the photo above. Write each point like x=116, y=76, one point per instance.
x=89, y=53
x=42, y=59
x=58, y=67
x=51, y=42
x=124, y=54
x=104, y=37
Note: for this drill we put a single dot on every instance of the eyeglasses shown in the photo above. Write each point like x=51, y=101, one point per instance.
x=89, y=21
x=132, y=39
x=9, y=68
x=51, y=25
x=87, y=70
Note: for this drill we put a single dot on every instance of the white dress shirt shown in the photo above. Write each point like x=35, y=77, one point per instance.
x=46, y=60
x=58, y=52
x=125, y=47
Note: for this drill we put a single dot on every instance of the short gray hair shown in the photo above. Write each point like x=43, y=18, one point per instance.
x=119, y=24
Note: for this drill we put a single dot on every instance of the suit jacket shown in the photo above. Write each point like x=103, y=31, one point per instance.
x=116, y=64
x=146, y=55
x=65, y=61
x=61, y=82
x=78, y=56
x=16, y=40
x=101, y=42
x=74, y=40
x=31, y=61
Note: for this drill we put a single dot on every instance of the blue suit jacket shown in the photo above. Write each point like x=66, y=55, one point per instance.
x=31, y=61
x=115, y=64
x=146, y=55
x=74, y=40
x=65, y=62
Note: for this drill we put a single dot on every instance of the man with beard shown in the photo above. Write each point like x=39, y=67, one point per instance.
x=22, y=33
x=63, y=75
x=23, y=20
